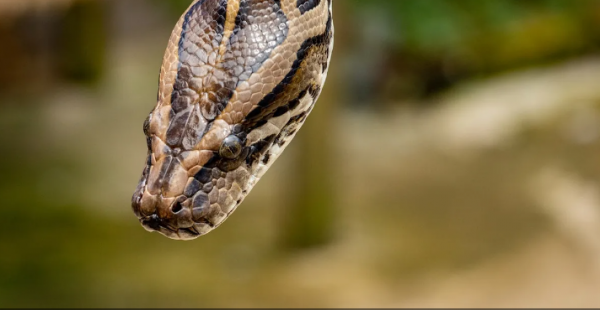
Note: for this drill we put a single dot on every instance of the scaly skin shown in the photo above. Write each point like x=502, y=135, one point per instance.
x=238, y=80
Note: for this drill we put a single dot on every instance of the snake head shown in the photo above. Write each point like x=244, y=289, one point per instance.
x=238, y=80
x=187, y=193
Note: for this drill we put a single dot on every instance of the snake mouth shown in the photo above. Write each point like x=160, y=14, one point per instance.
x=153, y=223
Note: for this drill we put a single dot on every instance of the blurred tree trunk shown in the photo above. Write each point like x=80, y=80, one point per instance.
x=82, y=39
x=310, y=218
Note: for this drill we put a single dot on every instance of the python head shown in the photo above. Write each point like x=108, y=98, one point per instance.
x=238, y=80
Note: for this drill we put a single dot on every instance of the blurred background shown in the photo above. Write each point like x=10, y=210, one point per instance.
x=452, y=161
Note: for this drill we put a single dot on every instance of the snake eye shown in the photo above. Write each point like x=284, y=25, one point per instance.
x=231, y=147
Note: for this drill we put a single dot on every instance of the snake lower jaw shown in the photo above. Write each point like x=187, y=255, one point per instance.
x=154, y=224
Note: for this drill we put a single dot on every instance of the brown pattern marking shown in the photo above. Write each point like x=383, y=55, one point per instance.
x=305, y=74
x=249, y=93
x=207, y=76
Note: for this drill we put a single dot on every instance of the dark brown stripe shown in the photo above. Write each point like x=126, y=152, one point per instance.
x=259, y=148
x=280, y=96
x=252, y=45
x=157, y=185
x=202, y=15
x=307, y=5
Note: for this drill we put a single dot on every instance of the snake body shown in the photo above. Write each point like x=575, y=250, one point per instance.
x=238, y=80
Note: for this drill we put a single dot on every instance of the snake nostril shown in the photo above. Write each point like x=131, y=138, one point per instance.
x=176, y=208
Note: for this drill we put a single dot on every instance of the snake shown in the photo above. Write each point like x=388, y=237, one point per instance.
x=238, y=80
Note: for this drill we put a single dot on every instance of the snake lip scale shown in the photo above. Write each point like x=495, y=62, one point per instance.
x=238, y=80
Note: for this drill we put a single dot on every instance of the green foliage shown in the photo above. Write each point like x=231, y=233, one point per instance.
x=431, y=44
x=435, y=25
